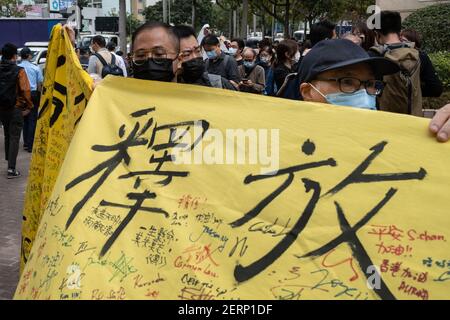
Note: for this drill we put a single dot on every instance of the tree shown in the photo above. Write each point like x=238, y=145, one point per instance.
x=433, y=24
x=9, y=8
x=182, y=12
x=132, y=24
x=122, y=25
x=356, y=10
x=281, y=10
x=225, y=9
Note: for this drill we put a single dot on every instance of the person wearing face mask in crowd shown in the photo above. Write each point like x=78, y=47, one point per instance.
x=253, y=75
x=339, y=72
x=287, y=57
x=98, y=47
x=265, y=59
x=439, y=126
x=218, y=62
x=236, y=49
x=155, y=52
x=191, y=63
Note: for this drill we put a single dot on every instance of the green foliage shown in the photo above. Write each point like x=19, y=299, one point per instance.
x=9, y=8
x=132, y=24
x=434, y=25
x=441, y=62
x=181, y=12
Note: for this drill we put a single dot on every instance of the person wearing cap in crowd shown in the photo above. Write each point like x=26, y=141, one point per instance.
x=111, y=46
x=191, y=63
x=342, y=73
x=339, y=72
x=35, y=78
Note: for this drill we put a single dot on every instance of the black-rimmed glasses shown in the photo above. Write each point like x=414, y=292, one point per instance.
x=351, y=85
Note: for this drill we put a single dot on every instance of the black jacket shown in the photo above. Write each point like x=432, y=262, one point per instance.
x=431, y=84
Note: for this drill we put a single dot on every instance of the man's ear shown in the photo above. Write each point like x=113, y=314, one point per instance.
x=305, y=92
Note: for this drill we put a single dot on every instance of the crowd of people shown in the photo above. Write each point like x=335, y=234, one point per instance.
x=381, y=69
x=276, y=69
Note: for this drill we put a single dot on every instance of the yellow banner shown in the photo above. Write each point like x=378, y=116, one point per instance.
x=183, y=192
x=66, y=91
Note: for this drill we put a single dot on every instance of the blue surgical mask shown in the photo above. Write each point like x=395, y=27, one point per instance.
x=360, y=99
x=248, y=64
x=232, y=51
x=211, y=54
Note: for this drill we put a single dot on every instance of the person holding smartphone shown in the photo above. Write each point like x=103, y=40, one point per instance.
x=253, y=75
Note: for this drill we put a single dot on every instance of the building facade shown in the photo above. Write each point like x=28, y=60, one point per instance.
x=137, y=8
x=406, y=7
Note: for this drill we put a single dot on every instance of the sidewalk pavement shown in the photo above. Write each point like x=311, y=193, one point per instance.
x=12, y=194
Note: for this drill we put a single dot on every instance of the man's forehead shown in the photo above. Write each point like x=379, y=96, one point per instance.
x=152, y=38
x=209, y=46
x=188, y=43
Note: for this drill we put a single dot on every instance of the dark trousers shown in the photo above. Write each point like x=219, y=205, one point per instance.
x=30, y=120
x=12, y=125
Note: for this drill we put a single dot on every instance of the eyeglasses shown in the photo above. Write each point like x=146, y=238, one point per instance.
x=157, y=55
x=351, y=85
x=196, y=52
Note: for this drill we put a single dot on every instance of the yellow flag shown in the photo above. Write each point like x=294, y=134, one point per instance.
x=66, y=91
x=182, y=192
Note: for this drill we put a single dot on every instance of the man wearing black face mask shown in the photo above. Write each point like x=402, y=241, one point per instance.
x=155, y=52
x=191, y=64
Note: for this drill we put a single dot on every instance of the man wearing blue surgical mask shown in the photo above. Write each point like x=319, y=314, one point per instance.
x=218, y=62
x=236, y=50
x=253, y=75
x=341, y=73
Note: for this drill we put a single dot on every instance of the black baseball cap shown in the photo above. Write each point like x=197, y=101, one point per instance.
x=338, y=53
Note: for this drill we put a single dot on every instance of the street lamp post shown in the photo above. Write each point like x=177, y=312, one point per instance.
x=164, y=3
x=78, y=18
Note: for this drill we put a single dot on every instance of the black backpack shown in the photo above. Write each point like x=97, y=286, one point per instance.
x=8, y=85
x=111, y=68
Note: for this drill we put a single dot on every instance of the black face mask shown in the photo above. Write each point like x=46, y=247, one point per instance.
x=161, y=71
x=193, y=70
